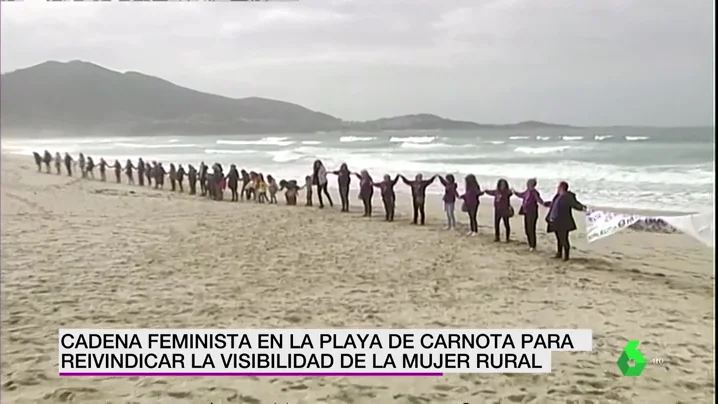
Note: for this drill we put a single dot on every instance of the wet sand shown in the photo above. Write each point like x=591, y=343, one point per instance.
x=86, y=254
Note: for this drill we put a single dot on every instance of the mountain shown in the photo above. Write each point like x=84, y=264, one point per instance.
x=79, y=96
x=83, y=98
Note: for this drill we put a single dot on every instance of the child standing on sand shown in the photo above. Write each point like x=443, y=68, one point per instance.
x=261, y=189
x=273, y=189
x=308, y=187
x=292, y=189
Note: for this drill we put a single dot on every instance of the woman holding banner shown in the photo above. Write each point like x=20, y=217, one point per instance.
x=560, y=218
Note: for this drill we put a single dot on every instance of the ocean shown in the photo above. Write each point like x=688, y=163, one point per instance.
x=631, y=168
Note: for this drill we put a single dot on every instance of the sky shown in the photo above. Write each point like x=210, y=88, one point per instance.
x=582, y=62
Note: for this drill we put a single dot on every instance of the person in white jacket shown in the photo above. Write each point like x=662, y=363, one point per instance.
x=320, y=179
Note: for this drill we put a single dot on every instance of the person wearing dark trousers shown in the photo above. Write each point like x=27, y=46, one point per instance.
x=173, y=177
x=529, y=210
x=319, y=177
x=366, y=191
x=68, y=164
x=141, y=172
x=192, y=179
x=470, y=205
x=560, y=218
x=388, y=196
x=418, y=195
x=503, y=211
x=344, y=179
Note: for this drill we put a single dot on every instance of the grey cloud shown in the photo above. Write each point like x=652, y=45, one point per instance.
x=585, y=62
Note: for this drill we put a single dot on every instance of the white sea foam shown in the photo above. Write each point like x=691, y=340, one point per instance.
x=311, y=142
x=602, y=137
x=155, y=146
x=412, y=139
x=267, y=141
x=571, y=138
x=518, y=137
x=229, y=151
x=351, y=139
x=424, y=145
x=543, y=137
x=541, y=150
x=636, y=138
x=285, y=156
x=497, y=141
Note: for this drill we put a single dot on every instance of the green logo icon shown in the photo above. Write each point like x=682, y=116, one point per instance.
x=631, y=353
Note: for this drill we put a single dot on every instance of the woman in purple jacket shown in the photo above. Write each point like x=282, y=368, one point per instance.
x=529, y=210
x=450, y=195
x=366, y=190
x=502, y=208
x=471, y=202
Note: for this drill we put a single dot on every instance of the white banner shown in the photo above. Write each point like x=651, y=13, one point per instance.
x=601, y=224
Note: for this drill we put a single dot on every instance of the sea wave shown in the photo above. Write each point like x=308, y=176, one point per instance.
x=497, y=142
x=541, y=150
x=352, y=139
x=311, y=142
x=229, y=151
x=286, y=156
x=636, y=138
x=424, y=145
x=518, y=137
x=571, y=138
x=543, y=137
x=266, y=141
x=602, y=137
x=155, y=146
x=412, y=139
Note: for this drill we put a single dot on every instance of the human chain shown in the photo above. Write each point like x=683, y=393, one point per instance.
x=254, y=186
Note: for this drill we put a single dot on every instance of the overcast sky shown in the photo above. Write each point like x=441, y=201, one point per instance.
x=585, y=62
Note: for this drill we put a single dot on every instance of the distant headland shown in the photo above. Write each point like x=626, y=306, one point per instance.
x=84, y=98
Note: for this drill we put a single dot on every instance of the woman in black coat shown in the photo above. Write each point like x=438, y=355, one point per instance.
x=560, y=218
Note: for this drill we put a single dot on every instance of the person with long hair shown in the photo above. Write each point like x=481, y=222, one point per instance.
x=245, y=192
x=319, y=177
x=149, y=174
x=502, y=208
x=418, y=195
x=531, y=198
x=366, y=191
x=472, y=192
x=90, y=167
x=129, y=167
x=173, y=177
x=344, y=179
x=118, y=171
x=180, y=177
x=47, y=159
x=103, y=167
x=233, y=182
x=560, y=218
x=141, y=172
x=450, y=194
x=38, y=161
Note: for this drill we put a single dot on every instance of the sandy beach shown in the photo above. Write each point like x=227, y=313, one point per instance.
x=87, y=254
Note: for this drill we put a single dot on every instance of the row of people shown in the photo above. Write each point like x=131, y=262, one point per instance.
x=559, y=219
x=254, y=187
